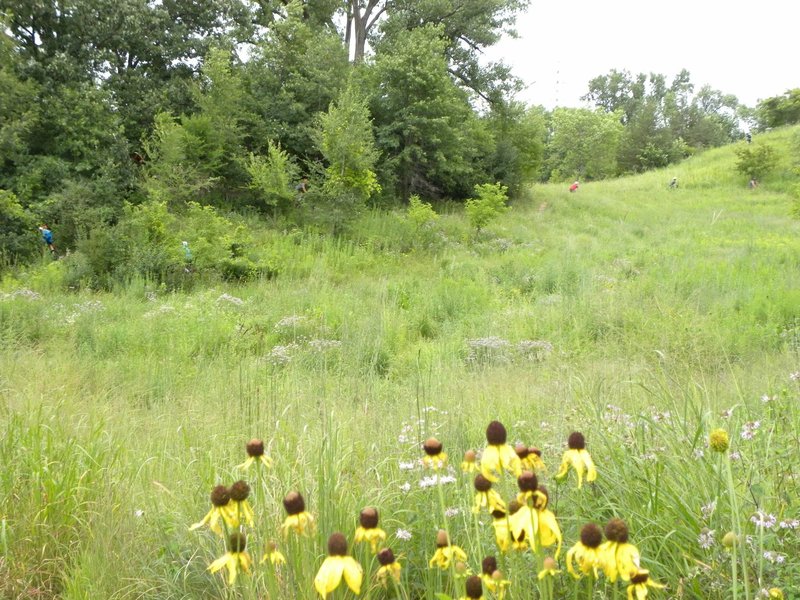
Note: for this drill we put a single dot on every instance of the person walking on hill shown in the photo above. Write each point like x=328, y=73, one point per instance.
x=47, y=237
x=753, y=183
x=574, y=187
x=674, y=183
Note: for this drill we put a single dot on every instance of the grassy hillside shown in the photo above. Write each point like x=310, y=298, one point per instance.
x=642, y=316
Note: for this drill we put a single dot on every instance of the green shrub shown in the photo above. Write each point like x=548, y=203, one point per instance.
x=756, y=161
x=489, y=204
x=18, y=234
x=420, y=213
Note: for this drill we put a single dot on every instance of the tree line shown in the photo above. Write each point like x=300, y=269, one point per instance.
x=307, y=111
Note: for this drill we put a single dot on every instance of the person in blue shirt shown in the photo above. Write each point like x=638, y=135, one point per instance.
x=47, y=236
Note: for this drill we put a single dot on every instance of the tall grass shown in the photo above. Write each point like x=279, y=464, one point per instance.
x=642, y=316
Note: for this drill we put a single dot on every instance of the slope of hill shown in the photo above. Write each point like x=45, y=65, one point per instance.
x=640, y=315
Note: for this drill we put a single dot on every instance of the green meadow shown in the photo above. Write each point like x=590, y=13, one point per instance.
x=642, y=316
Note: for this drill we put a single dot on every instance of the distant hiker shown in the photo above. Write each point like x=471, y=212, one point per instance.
x=47, y=237
x=753, y=183
x=674, y=183
x=574, y=187
x=302, y=187
x=748, y=137
x=188, y=259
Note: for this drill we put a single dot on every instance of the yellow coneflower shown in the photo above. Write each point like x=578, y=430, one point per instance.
x=549, y=532
x=549, y=568
x=434, y=457
x=523, y=523
x=586, y=552
x=255, y=452
x=502, y=534
x=220, y=498
x=535, y=458
x=619, y=558
x=530, y=459
x=498, y=456
x=239, y=509
x=493, y=578
x=640, y=581
x=775, y=594
x=298, y=519
x=235, y=558
x=389, y=569
x=578, y=458
x=485, y=496
x=528, y=485
x=469, y=464
x=445, y=552
x=368, y=530
x=336, y=564
x=273, y=555
x=473, y=588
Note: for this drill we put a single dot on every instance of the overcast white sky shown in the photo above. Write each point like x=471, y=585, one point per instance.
x=749, y=49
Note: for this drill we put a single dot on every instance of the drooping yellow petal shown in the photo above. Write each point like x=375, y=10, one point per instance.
x=490, y=463
x=329, y=575
x=353, y=574
x=247, y=464
x=391, y=570
x=591, y=471
x=373, y=535
x=501, y=533
x=566, y=462
x=549, y=531
x=524, y=525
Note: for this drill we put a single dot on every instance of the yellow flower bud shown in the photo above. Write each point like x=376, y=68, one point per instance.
x=718, y=440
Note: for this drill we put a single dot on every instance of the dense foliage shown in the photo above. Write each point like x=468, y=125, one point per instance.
x=230, y=104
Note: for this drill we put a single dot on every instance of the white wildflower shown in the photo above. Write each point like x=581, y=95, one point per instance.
x=706, y=539
x=708, y=509
x=230, y=300
x=765, y=520
x=402, y=534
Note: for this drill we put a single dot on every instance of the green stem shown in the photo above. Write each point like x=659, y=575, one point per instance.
x=735, y=525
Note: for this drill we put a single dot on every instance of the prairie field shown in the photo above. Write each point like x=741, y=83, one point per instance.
x=641, y=316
